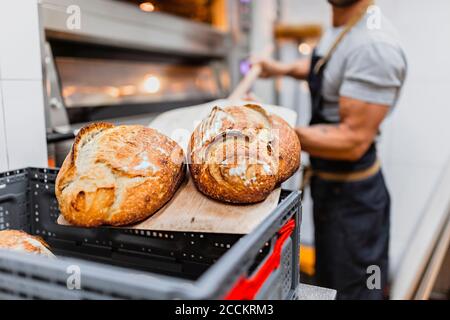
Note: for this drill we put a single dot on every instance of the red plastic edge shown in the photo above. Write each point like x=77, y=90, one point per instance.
x=246, y=288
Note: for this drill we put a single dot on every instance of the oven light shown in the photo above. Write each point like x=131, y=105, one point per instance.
x=151, y=84
x=113, y=92
x=127, y=90
x=68, y=91
x=305, y=49
x=147, y=7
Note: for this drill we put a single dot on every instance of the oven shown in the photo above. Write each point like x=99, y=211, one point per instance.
x=110, y=61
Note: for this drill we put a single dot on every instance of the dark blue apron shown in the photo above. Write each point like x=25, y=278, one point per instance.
x=351, y=219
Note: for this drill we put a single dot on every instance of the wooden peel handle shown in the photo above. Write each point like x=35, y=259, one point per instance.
x=246, y=83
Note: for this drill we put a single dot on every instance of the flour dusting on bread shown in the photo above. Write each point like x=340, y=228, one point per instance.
x=240, y=154
x=118, y=175
x=20, y=241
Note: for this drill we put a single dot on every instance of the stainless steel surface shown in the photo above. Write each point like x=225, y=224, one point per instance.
x=117, y=46
x=56, y=112
x=120, y=24
x=82, y=81
x=307, y=292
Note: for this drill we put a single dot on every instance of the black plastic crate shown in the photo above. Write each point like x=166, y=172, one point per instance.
x=188, y=265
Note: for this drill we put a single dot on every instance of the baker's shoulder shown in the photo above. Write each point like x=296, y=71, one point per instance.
x=374, y=32
x=375, y=45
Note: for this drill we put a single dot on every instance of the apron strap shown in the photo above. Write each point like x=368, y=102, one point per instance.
x=341, y=36
x=308, y=171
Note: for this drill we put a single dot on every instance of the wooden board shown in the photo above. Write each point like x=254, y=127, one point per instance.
x=191, y=211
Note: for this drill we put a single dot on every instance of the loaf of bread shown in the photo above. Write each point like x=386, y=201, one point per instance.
x=118, y=175
x=240, y=154
x=16, y=240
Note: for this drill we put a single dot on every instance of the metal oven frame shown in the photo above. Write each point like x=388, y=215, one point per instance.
x=120, y=25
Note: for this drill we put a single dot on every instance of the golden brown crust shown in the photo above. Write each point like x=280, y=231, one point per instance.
x=21, y=241
x=290, y=150
x=118, y=175
x=240, y=154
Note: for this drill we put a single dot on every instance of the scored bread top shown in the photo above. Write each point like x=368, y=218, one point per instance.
x=118, y=175
x=17, y=240
x=240, y=154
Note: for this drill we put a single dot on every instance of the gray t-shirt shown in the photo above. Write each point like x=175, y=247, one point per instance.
x=369, y=65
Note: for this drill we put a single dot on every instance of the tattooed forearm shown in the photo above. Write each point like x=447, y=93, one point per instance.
x=327, y=141
x=349, y=139
x=323, y=129
x=326, y=128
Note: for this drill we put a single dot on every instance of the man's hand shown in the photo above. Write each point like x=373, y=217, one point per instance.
x=272, y=68
x=349, y=139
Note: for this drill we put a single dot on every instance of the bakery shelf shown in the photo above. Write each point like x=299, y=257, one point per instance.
x=122, y=263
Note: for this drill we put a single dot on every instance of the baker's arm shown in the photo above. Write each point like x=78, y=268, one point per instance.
x=351, y=138
x=272, y=68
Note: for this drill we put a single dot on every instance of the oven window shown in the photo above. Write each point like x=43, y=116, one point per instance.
x=100, y=82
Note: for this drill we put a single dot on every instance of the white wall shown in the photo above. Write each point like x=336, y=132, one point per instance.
x=22, y=122
x=415, y=141
x=415, y=145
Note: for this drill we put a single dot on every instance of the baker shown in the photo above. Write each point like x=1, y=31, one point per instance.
x=355, y=77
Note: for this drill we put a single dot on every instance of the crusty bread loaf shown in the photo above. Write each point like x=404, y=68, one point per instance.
x=16, y=240
x=118, y=175
x=240, y=154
